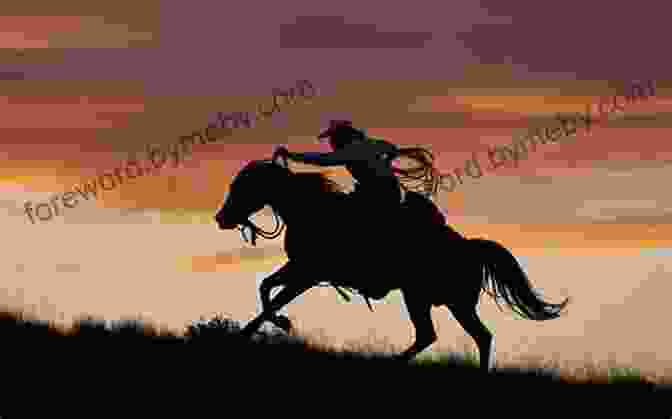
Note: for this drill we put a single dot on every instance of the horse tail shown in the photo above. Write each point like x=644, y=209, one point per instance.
x=508, y=282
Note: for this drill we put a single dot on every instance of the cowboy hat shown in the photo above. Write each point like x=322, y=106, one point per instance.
x=340, y=127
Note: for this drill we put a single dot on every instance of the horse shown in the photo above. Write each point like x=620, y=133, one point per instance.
x=321, y=228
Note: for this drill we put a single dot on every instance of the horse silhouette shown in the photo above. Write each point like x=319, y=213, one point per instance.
x=328, y=241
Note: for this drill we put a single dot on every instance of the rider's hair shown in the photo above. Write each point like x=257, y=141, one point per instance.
x=425, y=174
x=423, y=178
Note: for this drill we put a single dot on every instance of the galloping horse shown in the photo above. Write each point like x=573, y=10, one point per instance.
x=323, y=245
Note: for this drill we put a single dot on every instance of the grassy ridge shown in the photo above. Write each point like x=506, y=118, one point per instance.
x=92, y=352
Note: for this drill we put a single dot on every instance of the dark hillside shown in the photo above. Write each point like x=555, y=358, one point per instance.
x=213, y=359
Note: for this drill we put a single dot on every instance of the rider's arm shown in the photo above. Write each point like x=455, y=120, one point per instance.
x=391, y=150
x=335, y=158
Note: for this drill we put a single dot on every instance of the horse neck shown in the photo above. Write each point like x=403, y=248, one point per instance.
x=280, y=201
x=292, y=203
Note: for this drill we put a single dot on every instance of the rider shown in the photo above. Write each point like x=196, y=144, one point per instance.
x=369, y=161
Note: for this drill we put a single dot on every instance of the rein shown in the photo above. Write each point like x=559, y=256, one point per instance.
x=345, y=296
x=254, y=230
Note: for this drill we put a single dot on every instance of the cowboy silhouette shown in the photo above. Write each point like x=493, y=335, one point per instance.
x=375, y=263
x=369, y=162
x=378, y=190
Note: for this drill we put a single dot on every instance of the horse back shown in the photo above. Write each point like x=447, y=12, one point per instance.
x=419, y=209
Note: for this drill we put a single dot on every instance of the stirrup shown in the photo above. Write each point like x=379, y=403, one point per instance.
x=347, y=297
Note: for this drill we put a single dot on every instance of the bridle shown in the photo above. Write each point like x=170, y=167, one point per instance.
x=254, y=229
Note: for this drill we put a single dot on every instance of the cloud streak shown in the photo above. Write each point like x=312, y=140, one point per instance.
x=325, y=32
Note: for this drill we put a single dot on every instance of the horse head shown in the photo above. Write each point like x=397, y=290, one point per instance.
x=268, y=182
x=253, y=188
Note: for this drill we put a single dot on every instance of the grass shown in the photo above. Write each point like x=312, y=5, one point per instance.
x=611, y=375
x=292, y=369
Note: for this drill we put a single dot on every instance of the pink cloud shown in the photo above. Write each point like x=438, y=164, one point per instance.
x=34, y=31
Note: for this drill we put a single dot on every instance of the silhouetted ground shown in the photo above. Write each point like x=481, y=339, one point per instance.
x=123, y=361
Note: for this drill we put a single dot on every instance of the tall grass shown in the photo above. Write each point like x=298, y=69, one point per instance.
x=468, y=357
x=311, y=365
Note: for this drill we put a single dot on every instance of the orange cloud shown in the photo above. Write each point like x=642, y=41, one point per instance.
x=529, y=105
x=24, y=32
x=229, y=263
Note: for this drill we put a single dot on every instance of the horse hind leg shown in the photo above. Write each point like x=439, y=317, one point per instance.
x=420, y=312
x=471, y=323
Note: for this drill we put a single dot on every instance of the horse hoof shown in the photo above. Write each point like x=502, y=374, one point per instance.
x=247, y=332
x=282, y=322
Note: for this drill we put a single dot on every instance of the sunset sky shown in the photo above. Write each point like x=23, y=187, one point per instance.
x=83, y=87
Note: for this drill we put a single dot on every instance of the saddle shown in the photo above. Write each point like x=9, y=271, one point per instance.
x=380, y=237
x=373, y=236
x=416, y=221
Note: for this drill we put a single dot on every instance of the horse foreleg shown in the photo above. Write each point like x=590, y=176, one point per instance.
x=278, y=278
x=267, y=284
x=420, y=312
x=284, y=297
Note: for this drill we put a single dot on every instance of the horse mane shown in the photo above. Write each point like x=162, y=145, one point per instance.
x=308, y=181
x=317, y=182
